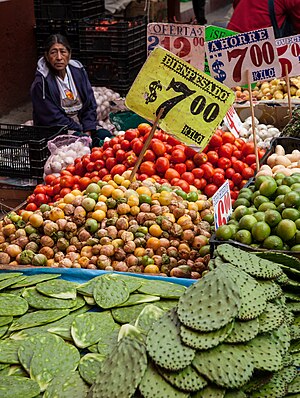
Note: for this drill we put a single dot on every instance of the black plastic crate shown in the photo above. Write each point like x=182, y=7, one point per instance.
x=45, y=27
x=66, y=9
x=114, y=35
x=24, y=150
x=288, y=143
x=110, y=70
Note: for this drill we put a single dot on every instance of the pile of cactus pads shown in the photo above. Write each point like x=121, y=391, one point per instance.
x=235, y=333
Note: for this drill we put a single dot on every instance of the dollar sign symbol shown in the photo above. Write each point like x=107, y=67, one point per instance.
x=216, y=68
x=153, y=87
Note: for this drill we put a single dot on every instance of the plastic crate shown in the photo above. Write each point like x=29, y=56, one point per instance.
x=24, y=150
x=45, y=27
x=288, y=143
x=65, y=9
x=113, y=35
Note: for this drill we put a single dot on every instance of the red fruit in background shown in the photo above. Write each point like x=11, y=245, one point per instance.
x=125, y=145
x=110, y=163
x=84, y=182
x=67, y=181
x=168, y=148
x=142, y=177
x=247, y=173
x=225, y=150
x=99, y=164
x=208, y=171
x=189, y=152
x=171, y=173
x=239, y=143
x=218, y=170
x=158, y=148
x=212, y=157
x=200, y=158
x=185, y=186
x=71, y=168
x=108, y=153
x=198, y=173
x=172, y=141
x=210, y=190
x=41, y=198
x=188, y=177
x=118, y=169
x=120, y=155
x=49, y=178
x=180, y=167
x=147, y=168
x=178, y=156
x=40, y=188
x=79, y=169
x=250, y=159
x=224, y=163
x=218, y=179
x=90, y=167
x=130, y=134
x=261, y=153
x=131, y=159
x=31, y=207
x=238, y=154
x=237, y=179
x=231, y=184
x=174, y=181
x=64, y=192
x=229, y=172
x=234, y=194
x=238, y=166
x=228, y=137
x=190, y=165
x=144, y=128
x=149, y=155
x=116, y=147
x=248, y=148
x=215, y=141
x=162, y=164
x=137, y=146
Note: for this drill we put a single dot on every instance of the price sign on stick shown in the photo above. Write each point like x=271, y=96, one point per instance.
x=233, y=122
x=193, y=103
x=288, y=49
x=222, y=205
x=231, y=57
x=185, y=41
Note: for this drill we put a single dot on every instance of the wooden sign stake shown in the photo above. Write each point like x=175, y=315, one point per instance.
x=146, y=145
x=288, y=90
x=253, y=121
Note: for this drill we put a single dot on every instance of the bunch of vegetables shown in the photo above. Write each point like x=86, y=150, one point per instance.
x=117, y=226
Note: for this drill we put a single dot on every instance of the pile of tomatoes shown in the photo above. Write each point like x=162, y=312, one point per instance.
x=166, y=160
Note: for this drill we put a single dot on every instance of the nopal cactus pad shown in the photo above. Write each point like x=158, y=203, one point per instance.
x=11, y=305
x=243, y=331
x=18, y=387
x=271, y=318
x=162, y=289
x=275, y=388
x=110, y=291
x=89, y=367
x=164, y=344
x=210, y=303
x=66, y=385
x=226, y=365
x=187, y=379
x=210, y=391
x=58, y=288
x=265, y=354
x=37, y=318
x=42, y=302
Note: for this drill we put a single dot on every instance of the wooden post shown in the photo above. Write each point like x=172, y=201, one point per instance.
x=253, y=121
x=146, y=145
x=287, y=79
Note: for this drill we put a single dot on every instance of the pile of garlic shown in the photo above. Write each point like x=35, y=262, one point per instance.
x=103, y=97
x=264, y=132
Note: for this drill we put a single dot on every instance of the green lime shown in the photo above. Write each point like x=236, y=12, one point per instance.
x=232, y=221
x=209, y=218
x=143, y=198
x=296, y=176
x=93, y=195
x=267, y=206
x=281, y=207
x=273, y=242
x=252, y=210
x=297, y=237
x=246, y=190
x=292, y=199
x=240, y=211
x=245, y=195
x=93, y=188
x=181, y=193
x=279, y=176
x=243, y=236
x=234, y=229
x=260, y=215
x=290, y=213
x=297, y=223
x=279, y=199
x=259, y=200
x=279, y=182
x=224, y=232
x=241, y=201
x=272, y=217
x=247, y=222
x=295, y=248
x=164, y=188
x=268, y=187
x=192, y=196
x=289, y=180
x=296, y=187
x=286, y=229
x=260, y=179
x=260, y=231
x=282, y=190
x=256, y=193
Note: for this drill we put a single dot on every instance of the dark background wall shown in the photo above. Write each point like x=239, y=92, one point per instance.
x=17, y=52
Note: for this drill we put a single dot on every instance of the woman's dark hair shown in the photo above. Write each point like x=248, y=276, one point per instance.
x=56, y=38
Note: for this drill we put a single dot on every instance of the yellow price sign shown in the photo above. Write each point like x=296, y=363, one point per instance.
x=193, y=103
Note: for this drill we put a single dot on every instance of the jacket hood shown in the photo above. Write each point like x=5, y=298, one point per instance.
x=43, y=68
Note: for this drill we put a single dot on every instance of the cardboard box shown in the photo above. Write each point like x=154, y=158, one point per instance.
x=158, y=10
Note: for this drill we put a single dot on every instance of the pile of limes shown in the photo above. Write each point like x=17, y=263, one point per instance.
x=267, y=214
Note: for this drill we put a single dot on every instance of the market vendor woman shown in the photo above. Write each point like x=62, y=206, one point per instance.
x=61, y=92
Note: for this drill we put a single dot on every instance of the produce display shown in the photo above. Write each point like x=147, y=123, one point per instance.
x=267, y=214
x=281, y=162
x=115, y=226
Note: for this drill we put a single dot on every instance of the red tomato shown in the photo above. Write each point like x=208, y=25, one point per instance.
x=198, y=173
x=79, y=169
x=202, y=184
x=156, y=178
x=147, y=168
x=41, y=198
x=99, y=164
x=103, y=172
x=130, y=159
x=212, y=157
x=64, y=192
x=190, y=165
x=137, y=146
x=247, y=173
x=261, y=153
x=188, y=177
x=67, y=181
x=215, y=141
x=231, y=184
x=56, y=189
x=189, y=152
x=71, y=168
x=234, y=194
x=229, y=172
x=185, y=186
x=93, y=173
x=143, y=177
x=243, y=182
x=174, y=181
x=158, y=148
x=108, y=153
x=65, y=173
x=118, y=169
x=178, y=156
x=248, y=148
x=144, y=128
x=49, y=190
x=113, y=141
x=130, y=134
x=31, y=207
x=168, y=148
x=218, y=179
x=180, y=167
x=86, y=160
x=172, y=141
x=200, y=158
x=96, y=155
x=40, y=188
x=210, y=190
x=238, y=154
x=239, y=143
x=225, y=150
x=224, y=163
x=208, y=171
x=110, y=163
x=250, y=159
x=171, y=173
x=237, y=178
x=95, y=179
x=90, y=167
x=149, y=155
x=162, y=164
x=49, y=179
x=84, y=182
x=105, y=145
x=31, y=198
x=228, y=137
x=125, y=145
x=116, y=147
x=238, y=166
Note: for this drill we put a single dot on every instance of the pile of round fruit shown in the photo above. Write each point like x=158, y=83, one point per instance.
x=267, y=214
x=115, y=226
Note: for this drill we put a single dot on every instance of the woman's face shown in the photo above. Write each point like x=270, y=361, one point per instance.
x=58, y=57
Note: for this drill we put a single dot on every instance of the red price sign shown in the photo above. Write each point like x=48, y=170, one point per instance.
x=222, y=205
x=233, y=122
x=288, y=49
x=185, y=41
x=229, y=58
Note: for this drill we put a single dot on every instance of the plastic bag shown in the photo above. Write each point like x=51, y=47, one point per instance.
x=64, y=150
x=125, y=120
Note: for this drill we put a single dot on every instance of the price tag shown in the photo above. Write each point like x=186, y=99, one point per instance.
x=194, y=104
x=222, y=205
x=233, y=122
x=185, y=41
x=231, y=57
x=288, y=49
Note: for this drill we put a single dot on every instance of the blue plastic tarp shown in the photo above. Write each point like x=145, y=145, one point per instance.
x=81, y=275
